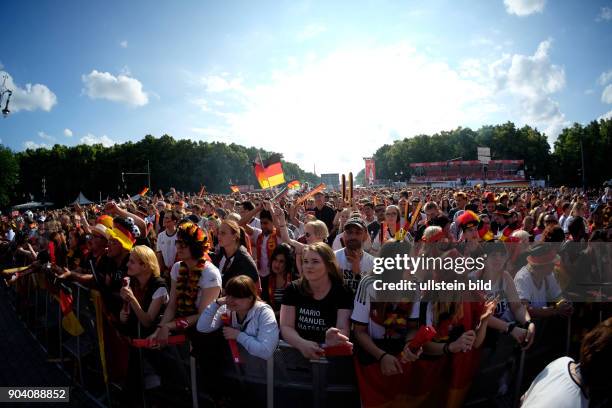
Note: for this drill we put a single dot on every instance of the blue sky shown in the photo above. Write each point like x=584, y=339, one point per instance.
x=325, y=83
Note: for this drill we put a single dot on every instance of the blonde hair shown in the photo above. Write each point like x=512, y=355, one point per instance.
x=522, y=235
x=319, y=229
x=233, y=216
x=147, y=257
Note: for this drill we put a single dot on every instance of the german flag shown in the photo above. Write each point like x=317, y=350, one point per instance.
x=144, y=191
x=294, y=185
x=234, y=189
x=70, y=323
x=269, y=173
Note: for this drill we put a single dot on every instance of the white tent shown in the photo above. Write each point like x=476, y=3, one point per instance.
x=81, y=199
x=31, y=204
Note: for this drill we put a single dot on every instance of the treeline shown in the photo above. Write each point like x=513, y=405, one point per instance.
x=96, y=170
x=186, y=165
x=507, y=142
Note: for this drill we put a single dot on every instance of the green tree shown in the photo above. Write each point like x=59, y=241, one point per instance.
x=9, y=169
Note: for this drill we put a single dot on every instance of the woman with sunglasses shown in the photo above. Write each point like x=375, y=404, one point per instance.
x=314, y=231
x=388, y=228
x=196, y=282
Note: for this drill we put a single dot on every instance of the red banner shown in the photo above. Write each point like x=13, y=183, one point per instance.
x=370, y=171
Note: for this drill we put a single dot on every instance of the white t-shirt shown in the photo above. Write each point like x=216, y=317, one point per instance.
x=210, y=278
x=337, y=244
x=548, y=291
x=166, y=245
x=161, y=293
x=555, y=387
x=262, y=264
x=366, y=266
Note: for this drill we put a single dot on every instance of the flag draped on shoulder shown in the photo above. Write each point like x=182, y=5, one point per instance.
x=269, y=172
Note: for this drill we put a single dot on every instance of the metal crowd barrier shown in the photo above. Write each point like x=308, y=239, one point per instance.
x=287, y=375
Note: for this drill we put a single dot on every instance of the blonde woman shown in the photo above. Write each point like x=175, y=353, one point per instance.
x=314, y=231
x=147, y=293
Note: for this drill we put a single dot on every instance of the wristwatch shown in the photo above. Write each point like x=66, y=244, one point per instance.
x=511, y=327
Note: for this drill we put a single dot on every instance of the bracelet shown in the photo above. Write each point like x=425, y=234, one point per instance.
x=446, y=348
x=381, y=357
x=181, y=323
x=511, y=327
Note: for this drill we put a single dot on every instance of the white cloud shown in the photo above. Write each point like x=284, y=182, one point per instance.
x=605, y=14
x=123, y=44
x=215, y=83
x=524, y=7
x=67, y=132
x=33, y=145
x=532, y=80
x=30, y=97
x=45, y=136
x=350, y=102
x=605, y=77
x=607, y=115
x=311, y=31
x=606, y=95
x=122, y=88
x=90, y=139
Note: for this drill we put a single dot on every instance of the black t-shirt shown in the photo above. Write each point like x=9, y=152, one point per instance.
x=373, y=229
x=327, y=215
x=109, y=281
x=313, y=317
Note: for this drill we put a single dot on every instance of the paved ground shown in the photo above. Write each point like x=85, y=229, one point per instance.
x=24, y=363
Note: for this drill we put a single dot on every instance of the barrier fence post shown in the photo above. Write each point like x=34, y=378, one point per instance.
x=519, y=380
x=319, y=381
x=194, y=380
x=270, y=382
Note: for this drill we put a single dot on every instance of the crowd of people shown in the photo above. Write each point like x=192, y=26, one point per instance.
x=251, y=269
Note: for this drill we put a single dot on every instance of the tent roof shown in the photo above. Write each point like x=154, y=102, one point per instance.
x=81, y=199
x=31, y=204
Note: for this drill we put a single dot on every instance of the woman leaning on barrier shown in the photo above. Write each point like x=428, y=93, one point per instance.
x=144, y=298
x=315, y=308
x=196, y=282
x=251, y=322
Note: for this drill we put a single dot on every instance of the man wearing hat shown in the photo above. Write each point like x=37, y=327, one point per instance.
x=537, y=286
x=113, y=267
x=354, y=262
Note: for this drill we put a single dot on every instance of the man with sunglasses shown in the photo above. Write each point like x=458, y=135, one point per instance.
x=374, y=226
